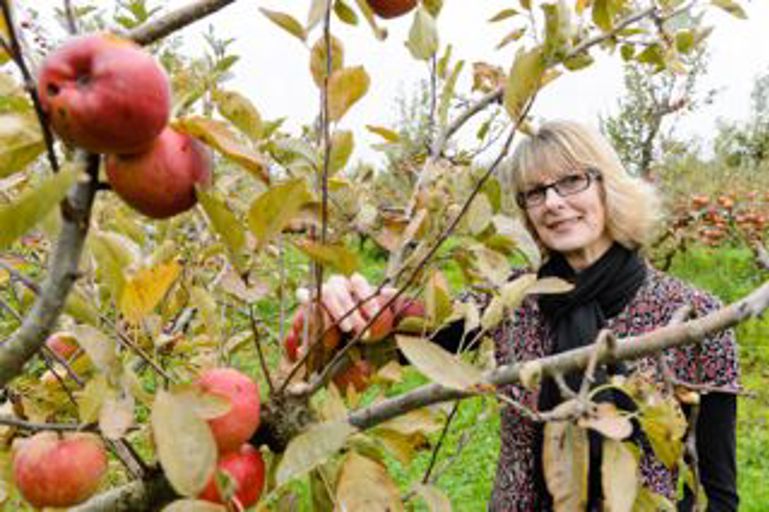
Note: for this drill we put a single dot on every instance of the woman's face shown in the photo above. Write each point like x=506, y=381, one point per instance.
x=569, y=216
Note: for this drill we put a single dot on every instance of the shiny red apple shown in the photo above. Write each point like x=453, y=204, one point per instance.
x=104, y=94
x=245, y=469
x=160, y=182
x=239, y=423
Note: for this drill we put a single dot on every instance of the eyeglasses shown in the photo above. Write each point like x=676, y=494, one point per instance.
x=566, y=186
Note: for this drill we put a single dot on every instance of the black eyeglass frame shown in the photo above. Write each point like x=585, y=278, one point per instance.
x=591, y=174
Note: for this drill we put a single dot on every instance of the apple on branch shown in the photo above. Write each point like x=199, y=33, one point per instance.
x=160, y=182
x=104, y=94
x=244, y=472
x=238, y=424
x=391, y=8
x=59, y=470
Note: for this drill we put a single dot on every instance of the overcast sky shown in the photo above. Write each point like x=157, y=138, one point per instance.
x=273, y=70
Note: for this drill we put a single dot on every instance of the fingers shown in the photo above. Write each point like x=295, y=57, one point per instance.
x=338, y=300
x=363, y=292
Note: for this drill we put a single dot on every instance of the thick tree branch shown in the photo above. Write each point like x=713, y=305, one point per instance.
x=61, y=276
x=175, y=20
x=631, y=348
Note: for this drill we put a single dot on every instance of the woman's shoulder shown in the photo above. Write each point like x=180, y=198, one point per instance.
x=672, y=293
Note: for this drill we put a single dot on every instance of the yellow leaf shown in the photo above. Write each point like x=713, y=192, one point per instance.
x=423, y=36
x=116, y=415
x=318, y=64
x=21, y=142
x=342, y=146
x=274, y=209
x=311, y=448
x=364, y=484
x=217, y=135
x=226, y=225
x=99, y=347
x=385, y=133
x=286, y=22
x=144, y=290
x=91, y=398
x=439, y=365
x=523, y=81
x=565, y=464
x=436, y=499
x=336, y=256
x=239, y=110
x=619, y=475
x=184, y=443
x=345, y=87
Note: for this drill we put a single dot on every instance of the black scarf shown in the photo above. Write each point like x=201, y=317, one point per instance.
x=601, y=292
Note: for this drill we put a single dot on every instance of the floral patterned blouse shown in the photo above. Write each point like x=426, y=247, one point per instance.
x=524, y=336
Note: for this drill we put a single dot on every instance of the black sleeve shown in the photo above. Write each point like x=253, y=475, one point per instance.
x=717, y=453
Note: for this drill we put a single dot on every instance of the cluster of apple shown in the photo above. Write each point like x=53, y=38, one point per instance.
x=359, y=372
x=106, y=95
x=53, y=469
x=241, y=461
x=715, y=219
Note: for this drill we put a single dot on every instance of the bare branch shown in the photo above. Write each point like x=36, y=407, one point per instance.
x=175, y=20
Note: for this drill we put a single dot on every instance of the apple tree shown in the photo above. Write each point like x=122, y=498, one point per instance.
x=156, y=230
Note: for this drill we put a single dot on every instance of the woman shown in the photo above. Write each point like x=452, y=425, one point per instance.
x=591, y=218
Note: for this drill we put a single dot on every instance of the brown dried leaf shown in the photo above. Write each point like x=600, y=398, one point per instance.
x=364, y=484
x=565, y=463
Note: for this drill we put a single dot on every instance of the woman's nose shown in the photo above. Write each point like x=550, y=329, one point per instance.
x=552, y=198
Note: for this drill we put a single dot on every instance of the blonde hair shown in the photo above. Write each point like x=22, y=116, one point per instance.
x=633, y=206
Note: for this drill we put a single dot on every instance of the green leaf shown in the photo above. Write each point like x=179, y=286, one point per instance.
x=731, y=7
x=342, y=146
x=345, y=13
x=144, y=289
x=365, y=484
x=225, y=224
x=438, y=365
x=437, y=299
x=336, y=256
x=345, y=87
x=619, y=475
x=184, y=443
x=447, y=94
x=311, y=448
x=31, y=207
x=318, y=64
x=286, y=22
x=239, y=110
x=423, y=36
x=602, y=14
x=91, y=397
x=565, y=464
x=21, y=142
x=649, y=501
x=275, y=208
x=208, y=310
x=217, y=135
x=524, y=80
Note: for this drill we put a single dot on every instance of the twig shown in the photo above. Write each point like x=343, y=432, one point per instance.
x=69, y=13
x=434, y=457
x=262, y=360
x=29, y=84
x=13, y=421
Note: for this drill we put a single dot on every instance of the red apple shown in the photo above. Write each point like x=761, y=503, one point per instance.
x=64, y=344
x=160, y=182
x=358, y=375
x=237, y=425
x=331, y=336
x=104, y=94
x=382, y=326
x=53, y=470
x=246, y=469
x=391, y=8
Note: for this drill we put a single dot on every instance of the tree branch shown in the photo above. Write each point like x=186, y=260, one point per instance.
x=630, y=348
x=61, y=276
x=175, y=20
